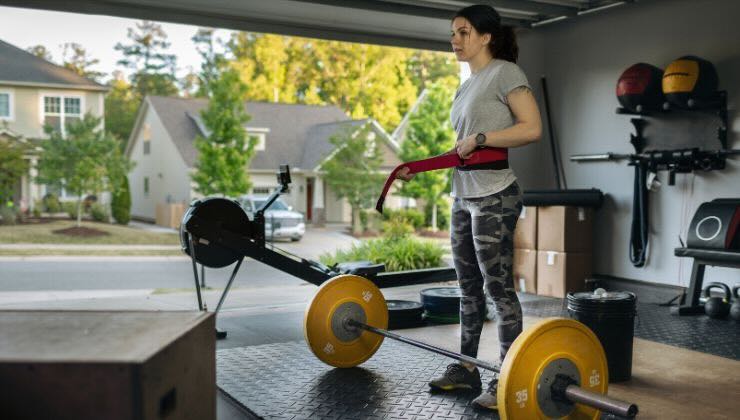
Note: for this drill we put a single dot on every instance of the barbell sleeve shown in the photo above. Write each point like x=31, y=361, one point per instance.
x=577, y=394
x=425, y=346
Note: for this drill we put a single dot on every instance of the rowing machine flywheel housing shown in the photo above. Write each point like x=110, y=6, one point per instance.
x=224, y=213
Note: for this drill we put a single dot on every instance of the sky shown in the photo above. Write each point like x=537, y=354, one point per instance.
x=98, y=34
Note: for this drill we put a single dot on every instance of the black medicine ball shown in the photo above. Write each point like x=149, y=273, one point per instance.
x=638, y=88
x=689, y=77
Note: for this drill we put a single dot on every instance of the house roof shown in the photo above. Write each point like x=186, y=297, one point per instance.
x=298, y=134
x=21, y=68
x=399, y=134
x=318, y=141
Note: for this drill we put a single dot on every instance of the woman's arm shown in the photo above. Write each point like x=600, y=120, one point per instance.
x=527, y=129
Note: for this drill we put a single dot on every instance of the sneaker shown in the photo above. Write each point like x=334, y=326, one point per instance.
x=457, y=376
x=489, y=398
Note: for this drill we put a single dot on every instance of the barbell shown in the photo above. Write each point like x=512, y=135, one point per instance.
x=555, y=369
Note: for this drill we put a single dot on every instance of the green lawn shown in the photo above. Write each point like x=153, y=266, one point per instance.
x=41, y=233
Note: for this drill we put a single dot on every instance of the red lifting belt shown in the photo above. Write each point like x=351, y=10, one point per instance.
x=447, y=160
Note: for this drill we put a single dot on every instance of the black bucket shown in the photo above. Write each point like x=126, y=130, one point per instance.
x=611, y=316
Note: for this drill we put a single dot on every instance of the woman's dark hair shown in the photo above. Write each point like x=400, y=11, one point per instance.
x=486, y=20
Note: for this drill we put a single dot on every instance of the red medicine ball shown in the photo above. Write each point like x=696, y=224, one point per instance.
x=640, y=89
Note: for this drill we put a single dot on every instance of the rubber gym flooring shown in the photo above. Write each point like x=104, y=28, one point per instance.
x=676, y=369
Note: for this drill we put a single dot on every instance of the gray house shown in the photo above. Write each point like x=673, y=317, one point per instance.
x=162, y=146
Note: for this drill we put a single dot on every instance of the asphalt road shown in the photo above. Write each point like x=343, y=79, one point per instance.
x=124, y=273
x=133, y=273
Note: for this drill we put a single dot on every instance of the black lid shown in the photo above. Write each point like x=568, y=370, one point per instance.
x=615, y=302
x=602, y=297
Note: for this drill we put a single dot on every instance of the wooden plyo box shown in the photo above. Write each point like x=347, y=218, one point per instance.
x=107, y=365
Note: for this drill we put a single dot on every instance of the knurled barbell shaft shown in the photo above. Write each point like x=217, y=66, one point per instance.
x=577, y=394
x=573, y=393
x=425, y=346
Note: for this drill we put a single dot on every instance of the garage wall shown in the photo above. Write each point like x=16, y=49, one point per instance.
x=583, y=59
x=532, y=163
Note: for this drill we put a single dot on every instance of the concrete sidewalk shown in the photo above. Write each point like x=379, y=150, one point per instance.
x=107, y=247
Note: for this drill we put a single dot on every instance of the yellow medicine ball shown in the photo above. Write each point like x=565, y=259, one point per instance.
x=689, y=77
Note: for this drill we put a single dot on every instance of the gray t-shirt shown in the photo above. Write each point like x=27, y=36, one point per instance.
x=481, y=105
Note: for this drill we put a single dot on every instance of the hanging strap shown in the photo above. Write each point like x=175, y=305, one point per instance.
x=640, y=222
x=486, y=158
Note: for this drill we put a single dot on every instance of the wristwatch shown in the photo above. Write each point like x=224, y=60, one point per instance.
x=480, y=139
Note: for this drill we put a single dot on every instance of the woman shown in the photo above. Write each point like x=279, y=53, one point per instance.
x=493, y=108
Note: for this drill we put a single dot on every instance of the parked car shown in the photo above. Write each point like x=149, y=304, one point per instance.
x=280, y=219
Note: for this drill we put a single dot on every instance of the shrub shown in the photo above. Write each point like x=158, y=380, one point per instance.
x=363, y=220
x=397, y=227
x=398, y=254
x=121, y=203
x=51, y=203
x=37, y=208
x=8, y=215
x=98, y=212
x=413, y=217
x=70, y=207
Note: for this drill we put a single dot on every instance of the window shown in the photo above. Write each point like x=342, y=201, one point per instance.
x=146, y=135
x=146, y=186
x=6, y=105
x=261, y=190
x=60, y=111
x=259, y=135
x=260, y=140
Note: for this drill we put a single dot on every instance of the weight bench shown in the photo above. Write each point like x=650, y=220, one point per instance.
x=690, y=304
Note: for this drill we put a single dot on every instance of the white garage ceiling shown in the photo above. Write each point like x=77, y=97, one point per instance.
x=407, y=23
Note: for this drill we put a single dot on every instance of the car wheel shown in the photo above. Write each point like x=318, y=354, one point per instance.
x=295, y=239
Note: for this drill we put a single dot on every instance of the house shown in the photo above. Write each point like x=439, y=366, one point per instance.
x=35, y=92
x=162, y=146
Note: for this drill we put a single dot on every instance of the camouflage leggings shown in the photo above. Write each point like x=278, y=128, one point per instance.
x=483, y=251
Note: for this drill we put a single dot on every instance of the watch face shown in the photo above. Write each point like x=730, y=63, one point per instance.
x=480, y=139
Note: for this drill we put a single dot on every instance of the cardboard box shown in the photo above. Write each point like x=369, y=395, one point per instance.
x=107, y=365
x=525, y=234
x=565, y=229
x=525, y=270
x=559, y=273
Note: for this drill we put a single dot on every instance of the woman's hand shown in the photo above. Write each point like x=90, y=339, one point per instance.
x=404, y=174
x=466, y=146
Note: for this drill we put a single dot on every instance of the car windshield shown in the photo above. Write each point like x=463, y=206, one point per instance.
x=277, y=205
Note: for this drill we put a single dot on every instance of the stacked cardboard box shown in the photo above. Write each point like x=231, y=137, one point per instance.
x=552, y=250
x=564, y=244
x=525, y=251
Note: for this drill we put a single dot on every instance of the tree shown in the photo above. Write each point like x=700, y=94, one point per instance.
x=363, y=80
x=40, y=51
x=429, y=134
x=12, y=167
x=429, y=67
x=121, y=202
x=224, y=155
x=212, y=62
x=353, y=171
x=146, y=55
x=86, y=161
x=77, y=59
x=121, y=105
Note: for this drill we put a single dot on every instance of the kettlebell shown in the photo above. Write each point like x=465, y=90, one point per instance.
x=735, y=309
x=717, y=307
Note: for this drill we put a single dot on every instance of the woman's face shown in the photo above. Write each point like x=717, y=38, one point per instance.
x=466, y=41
